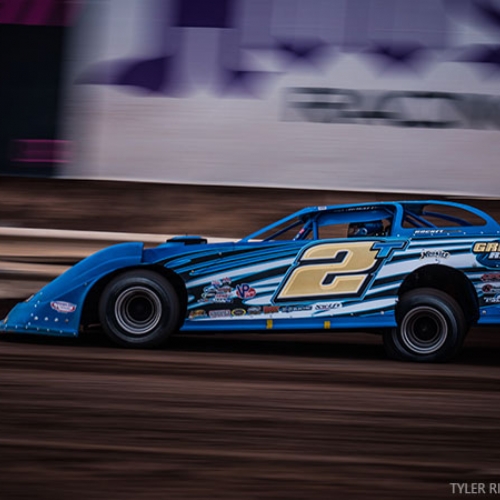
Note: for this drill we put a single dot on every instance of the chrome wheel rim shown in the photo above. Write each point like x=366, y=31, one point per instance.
x=424, y=330
x=138, y=310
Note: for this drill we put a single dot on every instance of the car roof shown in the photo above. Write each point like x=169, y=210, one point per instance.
x=354, y=212
x=414, y=204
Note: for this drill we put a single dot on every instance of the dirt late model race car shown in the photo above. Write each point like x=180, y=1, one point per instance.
x=419, y=272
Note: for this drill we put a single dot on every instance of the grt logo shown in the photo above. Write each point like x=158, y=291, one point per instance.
x=487, y=253
x=481, y=247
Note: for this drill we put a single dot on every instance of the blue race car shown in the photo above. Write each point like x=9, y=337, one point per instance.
x=419, y=272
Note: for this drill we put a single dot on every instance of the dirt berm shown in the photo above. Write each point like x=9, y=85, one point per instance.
x=167, y=208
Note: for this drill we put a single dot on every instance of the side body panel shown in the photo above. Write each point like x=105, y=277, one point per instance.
x=313, y=284
x=307, y=284
x=351, y=283
x=56, y=309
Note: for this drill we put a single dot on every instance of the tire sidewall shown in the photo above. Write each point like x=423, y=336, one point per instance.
x=156, y=285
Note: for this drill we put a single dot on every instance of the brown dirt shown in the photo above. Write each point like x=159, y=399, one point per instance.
x=165, y=208
x=272, y=417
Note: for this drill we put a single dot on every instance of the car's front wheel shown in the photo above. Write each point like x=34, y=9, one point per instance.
x=431, y=327
x=139, y=308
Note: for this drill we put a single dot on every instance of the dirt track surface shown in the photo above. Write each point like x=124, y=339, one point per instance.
x=240, y=417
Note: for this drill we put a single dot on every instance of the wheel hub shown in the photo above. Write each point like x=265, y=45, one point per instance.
x=424, y=330
x=138, y=310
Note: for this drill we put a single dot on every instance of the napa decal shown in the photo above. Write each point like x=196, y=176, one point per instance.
x=487, y=253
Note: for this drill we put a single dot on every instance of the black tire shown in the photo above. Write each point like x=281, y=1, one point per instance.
x=139, y=309
x=431, y=327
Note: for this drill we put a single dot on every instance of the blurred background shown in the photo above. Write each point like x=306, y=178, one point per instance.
x=216, y=117
x=363, y=95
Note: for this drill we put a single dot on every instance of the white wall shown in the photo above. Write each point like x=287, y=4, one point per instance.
x=198, y=134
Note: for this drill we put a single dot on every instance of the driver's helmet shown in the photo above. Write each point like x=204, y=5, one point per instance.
x=374, y=228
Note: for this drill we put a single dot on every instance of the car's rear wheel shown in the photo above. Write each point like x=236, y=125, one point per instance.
x=431, y=327
x=139, y=308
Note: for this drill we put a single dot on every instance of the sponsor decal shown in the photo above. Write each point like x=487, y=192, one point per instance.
x=289, y=309
x=222, y=282
x=327, y=306
x=207, y=296
x=271, y=309
x=429, y=231
x=356, y=209
x=490, y=277
x=434, y=254
x=245, y=291
x=488, y=253
x=199, y=313
x=254, y=310
x=486, y=247
x=219, y=291
x=63, y=307
x=220, y=313
x=238, y=312
x=493, y=300
x=491, y=288
x=222, y=297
